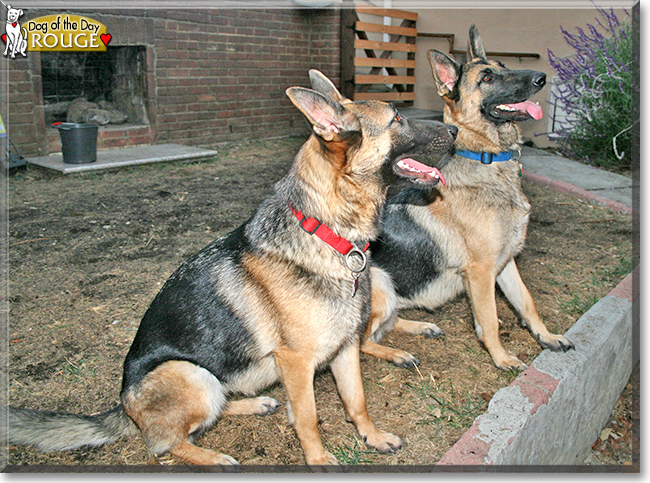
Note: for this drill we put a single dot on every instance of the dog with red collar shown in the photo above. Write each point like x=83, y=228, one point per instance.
x=284, y=295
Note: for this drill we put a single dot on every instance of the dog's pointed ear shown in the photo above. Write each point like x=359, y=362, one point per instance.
x=445, y=72
x=475, y=49
x=328, y=118
x=322, y=84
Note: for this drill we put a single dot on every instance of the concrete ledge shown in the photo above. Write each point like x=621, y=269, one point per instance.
x=555, y=409
x=122, y=157
x=569, y=189
x=594, y=181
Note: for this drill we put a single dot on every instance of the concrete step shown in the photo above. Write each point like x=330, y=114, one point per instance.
x=119, y=158
x=597, y=181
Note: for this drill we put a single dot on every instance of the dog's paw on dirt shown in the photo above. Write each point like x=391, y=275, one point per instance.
x=510, y=363
x=405, y=360
x=432, y=331
x=267, y=406
x=226, y=460
x=217, y=463
x=321, y=463
x=383, y=442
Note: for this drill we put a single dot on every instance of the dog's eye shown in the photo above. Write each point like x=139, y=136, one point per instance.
x=397, y=118
x=487, y=77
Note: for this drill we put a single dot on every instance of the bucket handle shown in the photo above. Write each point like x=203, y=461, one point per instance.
x=59, y=125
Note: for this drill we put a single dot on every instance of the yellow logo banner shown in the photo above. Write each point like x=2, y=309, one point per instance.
x=66, y=33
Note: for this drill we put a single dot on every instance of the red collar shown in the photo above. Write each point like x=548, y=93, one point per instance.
x=325, y=233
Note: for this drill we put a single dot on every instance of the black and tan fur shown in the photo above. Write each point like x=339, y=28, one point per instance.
x=266, y=302
x=464, y=236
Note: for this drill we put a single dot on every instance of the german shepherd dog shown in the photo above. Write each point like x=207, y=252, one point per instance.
x=280, y=297
x=464, y=234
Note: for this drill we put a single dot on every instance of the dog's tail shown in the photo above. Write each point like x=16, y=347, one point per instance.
x=56, y=431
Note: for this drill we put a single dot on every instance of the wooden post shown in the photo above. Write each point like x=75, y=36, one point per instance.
x=348, y=19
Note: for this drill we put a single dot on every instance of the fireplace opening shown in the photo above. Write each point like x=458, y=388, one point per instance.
x=100, y=87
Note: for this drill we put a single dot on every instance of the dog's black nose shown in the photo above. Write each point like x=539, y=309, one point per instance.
x=539, y=79
x=453, y=130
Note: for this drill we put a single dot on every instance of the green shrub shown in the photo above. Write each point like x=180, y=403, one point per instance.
x=597, y=90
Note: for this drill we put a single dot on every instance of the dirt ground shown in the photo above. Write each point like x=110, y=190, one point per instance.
x=89, y=252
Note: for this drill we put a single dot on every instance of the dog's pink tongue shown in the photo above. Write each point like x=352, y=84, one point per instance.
x=423, y=168
x=535, y=110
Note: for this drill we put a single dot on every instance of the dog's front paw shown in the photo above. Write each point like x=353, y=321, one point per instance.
x=325, y=459
x=405, y=360
x=432, y=331
x=556, y=343
x=510, y=363
x=384, y=442
x=267, y=405
x=225, y=460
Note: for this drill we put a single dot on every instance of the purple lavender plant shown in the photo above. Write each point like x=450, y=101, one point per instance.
x=595, y=90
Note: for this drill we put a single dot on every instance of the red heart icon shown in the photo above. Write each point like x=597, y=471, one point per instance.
x=14, y=24
x=106, y=38
x=4, y=38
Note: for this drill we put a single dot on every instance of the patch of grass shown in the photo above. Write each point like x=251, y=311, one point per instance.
x=446, y=406
x=606, y=276
x=507, y=376
x=603, y=277
x=578, y=304
x=353, y=453
x=56, y=324
x=77, y=370
x=470, y=350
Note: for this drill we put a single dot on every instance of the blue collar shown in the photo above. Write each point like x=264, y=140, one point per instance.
x=486, y=158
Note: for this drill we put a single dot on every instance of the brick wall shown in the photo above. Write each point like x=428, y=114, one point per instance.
x=212, y=75
x=18, y=106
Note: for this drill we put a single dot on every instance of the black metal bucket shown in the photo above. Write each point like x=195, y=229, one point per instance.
x=78, y=142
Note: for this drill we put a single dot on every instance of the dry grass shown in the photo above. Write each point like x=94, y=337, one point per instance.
x=90, y=252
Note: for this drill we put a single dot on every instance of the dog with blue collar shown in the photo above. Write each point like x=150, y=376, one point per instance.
x=463, y=235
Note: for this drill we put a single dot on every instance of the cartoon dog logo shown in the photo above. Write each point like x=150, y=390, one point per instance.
x=14, y=37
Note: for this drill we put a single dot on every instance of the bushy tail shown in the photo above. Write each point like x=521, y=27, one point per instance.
x=55, y=431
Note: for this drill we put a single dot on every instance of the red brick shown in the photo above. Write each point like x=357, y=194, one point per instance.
x=468, y=450
x=139, y=131
x=111, y=143
x=536, y=386
x=139, y=140
x=104, y=133
x=628, y=288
